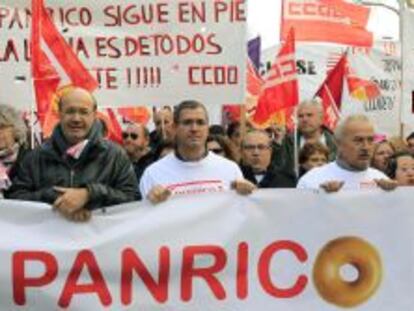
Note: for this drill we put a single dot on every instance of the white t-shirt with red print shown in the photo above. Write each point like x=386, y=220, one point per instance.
x=211, y=174
x=353, y=180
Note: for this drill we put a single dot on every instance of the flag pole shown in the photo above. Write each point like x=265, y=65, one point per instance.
x=295, y=142
x=243, y=122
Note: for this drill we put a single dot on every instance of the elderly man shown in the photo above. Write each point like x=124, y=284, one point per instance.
x=76, y=170
x=355, y=139
x=310, y=130
x=135, y=139
x=256, y=162
x=191, y=169
x=164, y=129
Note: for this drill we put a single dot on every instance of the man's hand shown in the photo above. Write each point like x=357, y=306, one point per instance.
x=158, y=194
x=70, y=200
x=81, y=215
x=332, y=186
x=386, y=184
x=243, y=186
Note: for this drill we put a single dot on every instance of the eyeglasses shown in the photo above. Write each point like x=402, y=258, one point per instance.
x=190, y=122
x=217, y=150
x=133, y=136
x=259, y=147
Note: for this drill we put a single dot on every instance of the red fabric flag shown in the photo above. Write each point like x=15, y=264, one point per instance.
x=135, y=114
x=281, y=87
x=113, y=128
x=46, y=79
x=362, y=89
x=326, y=21
x=330, y=93
x=359, y=88
x=254, y=81
x=358, y=14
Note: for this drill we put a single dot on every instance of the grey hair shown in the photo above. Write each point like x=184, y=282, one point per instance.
x=11, y=117
x=340, y=129
x=316, y=102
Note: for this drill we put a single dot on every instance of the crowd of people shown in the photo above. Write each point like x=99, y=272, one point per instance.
x=77, y=169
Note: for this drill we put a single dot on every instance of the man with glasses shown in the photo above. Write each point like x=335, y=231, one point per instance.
x=135, y=140
x=76, y=170
x=191, y=169
x=256, y=150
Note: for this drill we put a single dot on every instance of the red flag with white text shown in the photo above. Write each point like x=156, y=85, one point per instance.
x=335, y=21
x=280, y=90
x=46, y=79
x=330, y=93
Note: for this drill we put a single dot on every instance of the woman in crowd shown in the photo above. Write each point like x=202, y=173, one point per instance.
x=312, y=155
x=401, y=168
x=383, y=151
x=13, y=144
x=222, y=146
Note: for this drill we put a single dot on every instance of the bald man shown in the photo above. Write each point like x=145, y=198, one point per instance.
x=355, y=139
x=76, y=170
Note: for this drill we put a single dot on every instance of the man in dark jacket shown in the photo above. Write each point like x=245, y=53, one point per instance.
x=310, y=130
x=256, y=163
x=76, y=170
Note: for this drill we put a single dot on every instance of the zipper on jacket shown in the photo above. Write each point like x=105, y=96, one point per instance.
x=72, y=174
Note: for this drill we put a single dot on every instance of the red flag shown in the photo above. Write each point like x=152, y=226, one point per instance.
x=281, y=87
x=358, y=14
x=330, y=93
x=360, y=88
x=45, y=77
x=135, y=114
x=326, y=21
x=254, y=81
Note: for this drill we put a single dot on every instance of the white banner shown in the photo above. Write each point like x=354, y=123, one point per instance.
x=143, y=52
x=274, y=250
x=407, y=109
x=380, y=64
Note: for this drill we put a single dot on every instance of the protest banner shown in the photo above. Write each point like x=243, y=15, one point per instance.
x=141, y=52
x=380, y=64
x=407, y=103
x=273, y=250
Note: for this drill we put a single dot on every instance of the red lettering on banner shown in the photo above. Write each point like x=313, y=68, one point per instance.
x=10, y=51
x=213, y=75
x=132, y=14
x=98, y=286
x=242, y=282
x=188, y=271
x=21, y=281
x=264, y=269
x=233, y=11
x=106, y=77
x=158, y=283
x=131, y=262
x=191, y=12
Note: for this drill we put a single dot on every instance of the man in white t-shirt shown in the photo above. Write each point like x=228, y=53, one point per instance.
x=191, y=169
x=350, y=170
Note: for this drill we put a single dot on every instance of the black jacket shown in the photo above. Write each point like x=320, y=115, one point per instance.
x=103, y=168
x=273, y=178
x=283, y=157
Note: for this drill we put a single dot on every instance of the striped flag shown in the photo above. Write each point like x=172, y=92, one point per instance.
x=280, y=90
x=46, y=79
